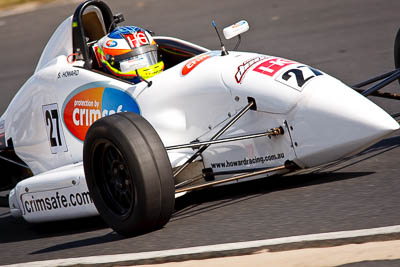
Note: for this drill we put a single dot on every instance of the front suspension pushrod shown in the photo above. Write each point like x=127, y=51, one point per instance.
x=216, y=136
x=196, y=145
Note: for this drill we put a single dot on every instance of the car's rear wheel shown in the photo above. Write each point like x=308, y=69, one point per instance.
x=397, y=51
x=128, y=174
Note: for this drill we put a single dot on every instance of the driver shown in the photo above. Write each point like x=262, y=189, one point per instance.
x=129, y=53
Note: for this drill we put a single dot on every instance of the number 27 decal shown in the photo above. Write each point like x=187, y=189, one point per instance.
x=54, y=129
x=298, y=77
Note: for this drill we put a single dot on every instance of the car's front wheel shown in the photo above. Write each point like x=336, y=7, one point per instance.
x=128, y=174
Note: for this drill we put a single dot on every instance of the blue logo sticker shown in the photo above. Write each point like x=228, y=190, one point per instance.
x=111, y=43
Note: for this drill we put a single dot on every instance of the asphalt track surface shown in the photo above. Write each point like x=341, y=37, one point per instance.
x=350, y=39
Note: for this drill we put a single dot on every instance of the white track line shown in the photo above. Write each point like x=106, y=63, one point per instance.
x=132, y=257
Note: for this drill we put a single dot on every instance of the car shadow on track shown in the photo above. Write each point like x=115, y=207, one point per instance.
x=109, y=237
x=14, y=230
x=193, y=203
x=215, y=198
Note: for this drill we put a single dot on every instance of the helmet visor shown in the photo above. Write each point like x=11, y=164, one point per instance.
x=139, y=61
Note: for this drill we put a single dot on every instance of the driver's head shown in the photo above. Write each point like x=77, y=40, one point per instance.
x=129, y=49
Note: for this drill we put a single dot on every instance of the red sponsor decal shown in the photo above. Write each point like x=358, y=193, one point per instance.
x=272, y=66
x=82, y=110
x=137, y=39
x=193, y=63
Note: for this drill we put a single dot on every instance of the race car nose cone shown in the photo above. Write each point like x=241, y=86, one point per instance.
x=332, y=121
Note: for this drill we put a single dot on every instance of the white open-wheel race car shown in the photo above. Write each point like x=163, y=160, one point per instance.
x=76, y=141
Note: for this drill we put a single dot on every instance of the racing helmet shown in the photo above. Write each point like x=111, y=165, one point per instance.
x=128, y=51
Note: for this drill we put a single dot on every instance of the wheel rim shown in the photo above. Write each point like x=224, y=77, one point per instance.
x=113, y=178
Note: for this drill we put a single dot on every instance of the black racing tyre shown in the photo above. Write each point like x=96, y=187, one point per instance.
x=128, y=173
x=397, y=51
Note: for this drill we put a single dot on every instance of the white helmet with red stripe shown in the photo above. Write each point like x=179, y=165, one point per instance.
x=127, y=52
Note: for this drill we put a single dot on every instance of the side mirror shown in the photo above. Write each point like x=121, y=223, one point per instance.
x=236, y=29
